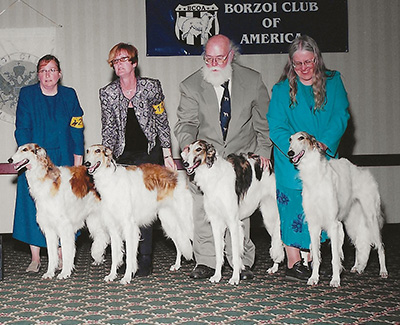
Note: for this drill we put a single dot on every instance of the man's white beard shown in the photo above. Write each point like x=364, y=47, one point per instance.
x=217, y=75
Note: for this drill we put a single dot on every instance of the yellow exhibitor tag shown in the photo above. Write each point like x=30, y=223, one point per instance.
x=77, y=122
x=159, y=108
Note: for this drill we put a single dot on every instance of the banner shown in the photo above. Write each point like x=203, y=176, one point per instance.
x=182, y=27
x=20, y=50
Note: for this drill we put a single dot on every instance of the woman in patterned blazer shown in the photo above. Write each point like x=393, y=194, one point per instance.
x=135, y=126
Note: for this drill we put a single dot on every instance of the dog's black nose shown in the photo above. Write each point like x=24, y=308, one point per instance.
x=290, y=153
x=10, y=160
x=185, y=164
x=87, y=164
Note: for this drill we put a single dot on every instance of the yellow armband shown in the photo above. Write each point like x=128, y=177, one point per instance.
x=77, y=122
x=159, y=109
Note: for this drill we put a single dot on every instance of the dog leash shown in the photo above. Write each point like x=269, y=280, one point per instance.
x=276, y=146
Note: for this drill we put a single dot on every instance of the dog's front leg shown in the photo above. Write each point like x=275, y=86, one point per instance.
x=116, y=254
x=52, y=247
x=315, y=236
x=68, y=253
x=218, y=230
x=100, y=237
x=336, y=234
x=132, y=235
x=237, y=238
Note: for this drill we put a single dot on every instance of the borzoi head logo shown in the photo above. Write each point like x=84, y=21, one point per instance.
x=195, y=23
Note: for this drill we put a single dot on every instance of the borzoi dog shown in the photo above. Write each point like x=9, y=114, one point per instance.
x=336, y=191
x=131, y=197
x=64, y=197
x=233, y=189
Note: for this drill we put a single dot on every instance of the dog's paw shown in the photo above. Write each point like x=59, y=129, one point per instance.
x=384, y=274
x=273, y=269
x=356, y=269
x=215, y=278
x=174, y=267
x=48, y=275
x=63, y=275
x=313, y=281
x=335, y=283
x=110, y=277
x=126, y=280
x=234, y=280
x=98, y=262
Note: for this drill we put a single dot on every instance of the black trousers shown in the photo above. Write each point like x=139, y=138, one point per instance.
x=138, y=158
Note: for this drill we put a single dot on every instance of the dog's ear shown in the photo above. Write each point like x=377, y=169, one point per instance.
x=40, y=152
x=210, y=154
x=313, y=141
x=107, y=152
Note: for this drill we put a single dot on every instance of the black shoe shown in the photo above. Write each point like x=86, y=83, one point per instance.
x=299, y=272
x=246, y=274
x=202, y=272
x=144, y=265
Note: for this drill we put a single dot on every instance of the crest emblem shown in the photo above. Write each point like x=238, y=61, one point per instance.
x=195, y=23
x=16, y=71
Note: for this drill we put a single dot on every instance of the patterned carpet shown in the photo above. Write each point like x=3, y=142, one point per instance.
x=173, y=298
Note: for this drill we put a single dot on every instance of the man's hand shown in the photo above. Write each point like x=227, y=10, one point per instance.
x=265, y=163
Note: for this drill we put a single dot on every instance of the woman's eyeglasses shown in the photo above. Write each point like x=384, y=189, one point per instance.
x=123, y=59
x=307, y=63
x=52, y=70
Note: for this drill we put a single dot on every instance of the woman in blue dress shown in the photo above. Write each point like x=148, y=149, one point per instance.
x=310, y=98
x=50, y=115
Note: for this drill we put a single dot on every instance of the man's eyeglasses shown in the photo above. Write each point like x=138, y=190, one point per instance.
x=219, y=59
x=306, y=63
x=52, y=70
x=123, y=59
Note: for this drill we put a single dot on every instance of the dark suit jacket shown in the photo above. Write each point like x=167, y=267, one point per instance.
x=198, y=113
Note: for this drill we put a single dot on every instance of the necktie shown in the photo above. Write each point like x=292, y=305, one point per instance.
x=225, y=112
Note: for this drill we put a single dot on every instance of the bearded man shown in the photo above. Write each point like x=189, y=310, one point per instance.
x=246, y=130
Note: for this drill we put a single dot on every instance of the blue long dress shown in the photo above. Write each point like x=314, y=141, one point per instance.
x=49, y=121
x=327, y=125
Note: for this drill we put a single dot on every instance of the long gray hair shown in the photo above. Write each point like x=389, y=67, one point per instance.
x=306, y=43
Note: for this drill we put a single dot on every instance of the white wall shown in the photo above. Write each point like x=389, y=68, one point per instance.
x=371, y=71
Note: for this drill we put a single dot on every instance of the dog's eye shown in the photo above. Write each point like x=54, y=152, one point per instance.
x=198, y=149
x=290, y=140
x=97, y=151
x=25, y=149
x=301, y=138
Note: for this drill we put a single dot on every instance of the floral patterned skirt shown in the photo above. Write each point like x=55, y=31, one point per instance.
x=294, y=228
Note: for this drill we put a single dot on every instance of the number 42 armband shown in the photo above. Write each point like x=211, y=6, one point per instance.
x=76, y=122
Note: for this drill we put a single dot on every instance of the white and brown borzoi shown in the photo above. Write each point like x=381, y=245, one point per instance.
x=133, y=196
x=336, y=191
x=233, y=189
x=64, y=197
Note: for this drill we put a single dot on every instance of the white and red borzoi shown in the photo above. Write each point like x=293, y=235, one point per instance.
x=336, y=191
x=64, y=197
x=233, y=189
x=133, y=196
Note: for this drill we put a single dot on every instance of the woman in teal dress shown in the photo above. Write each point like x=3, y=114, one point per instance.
x=50, y=115
x=310, y=98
